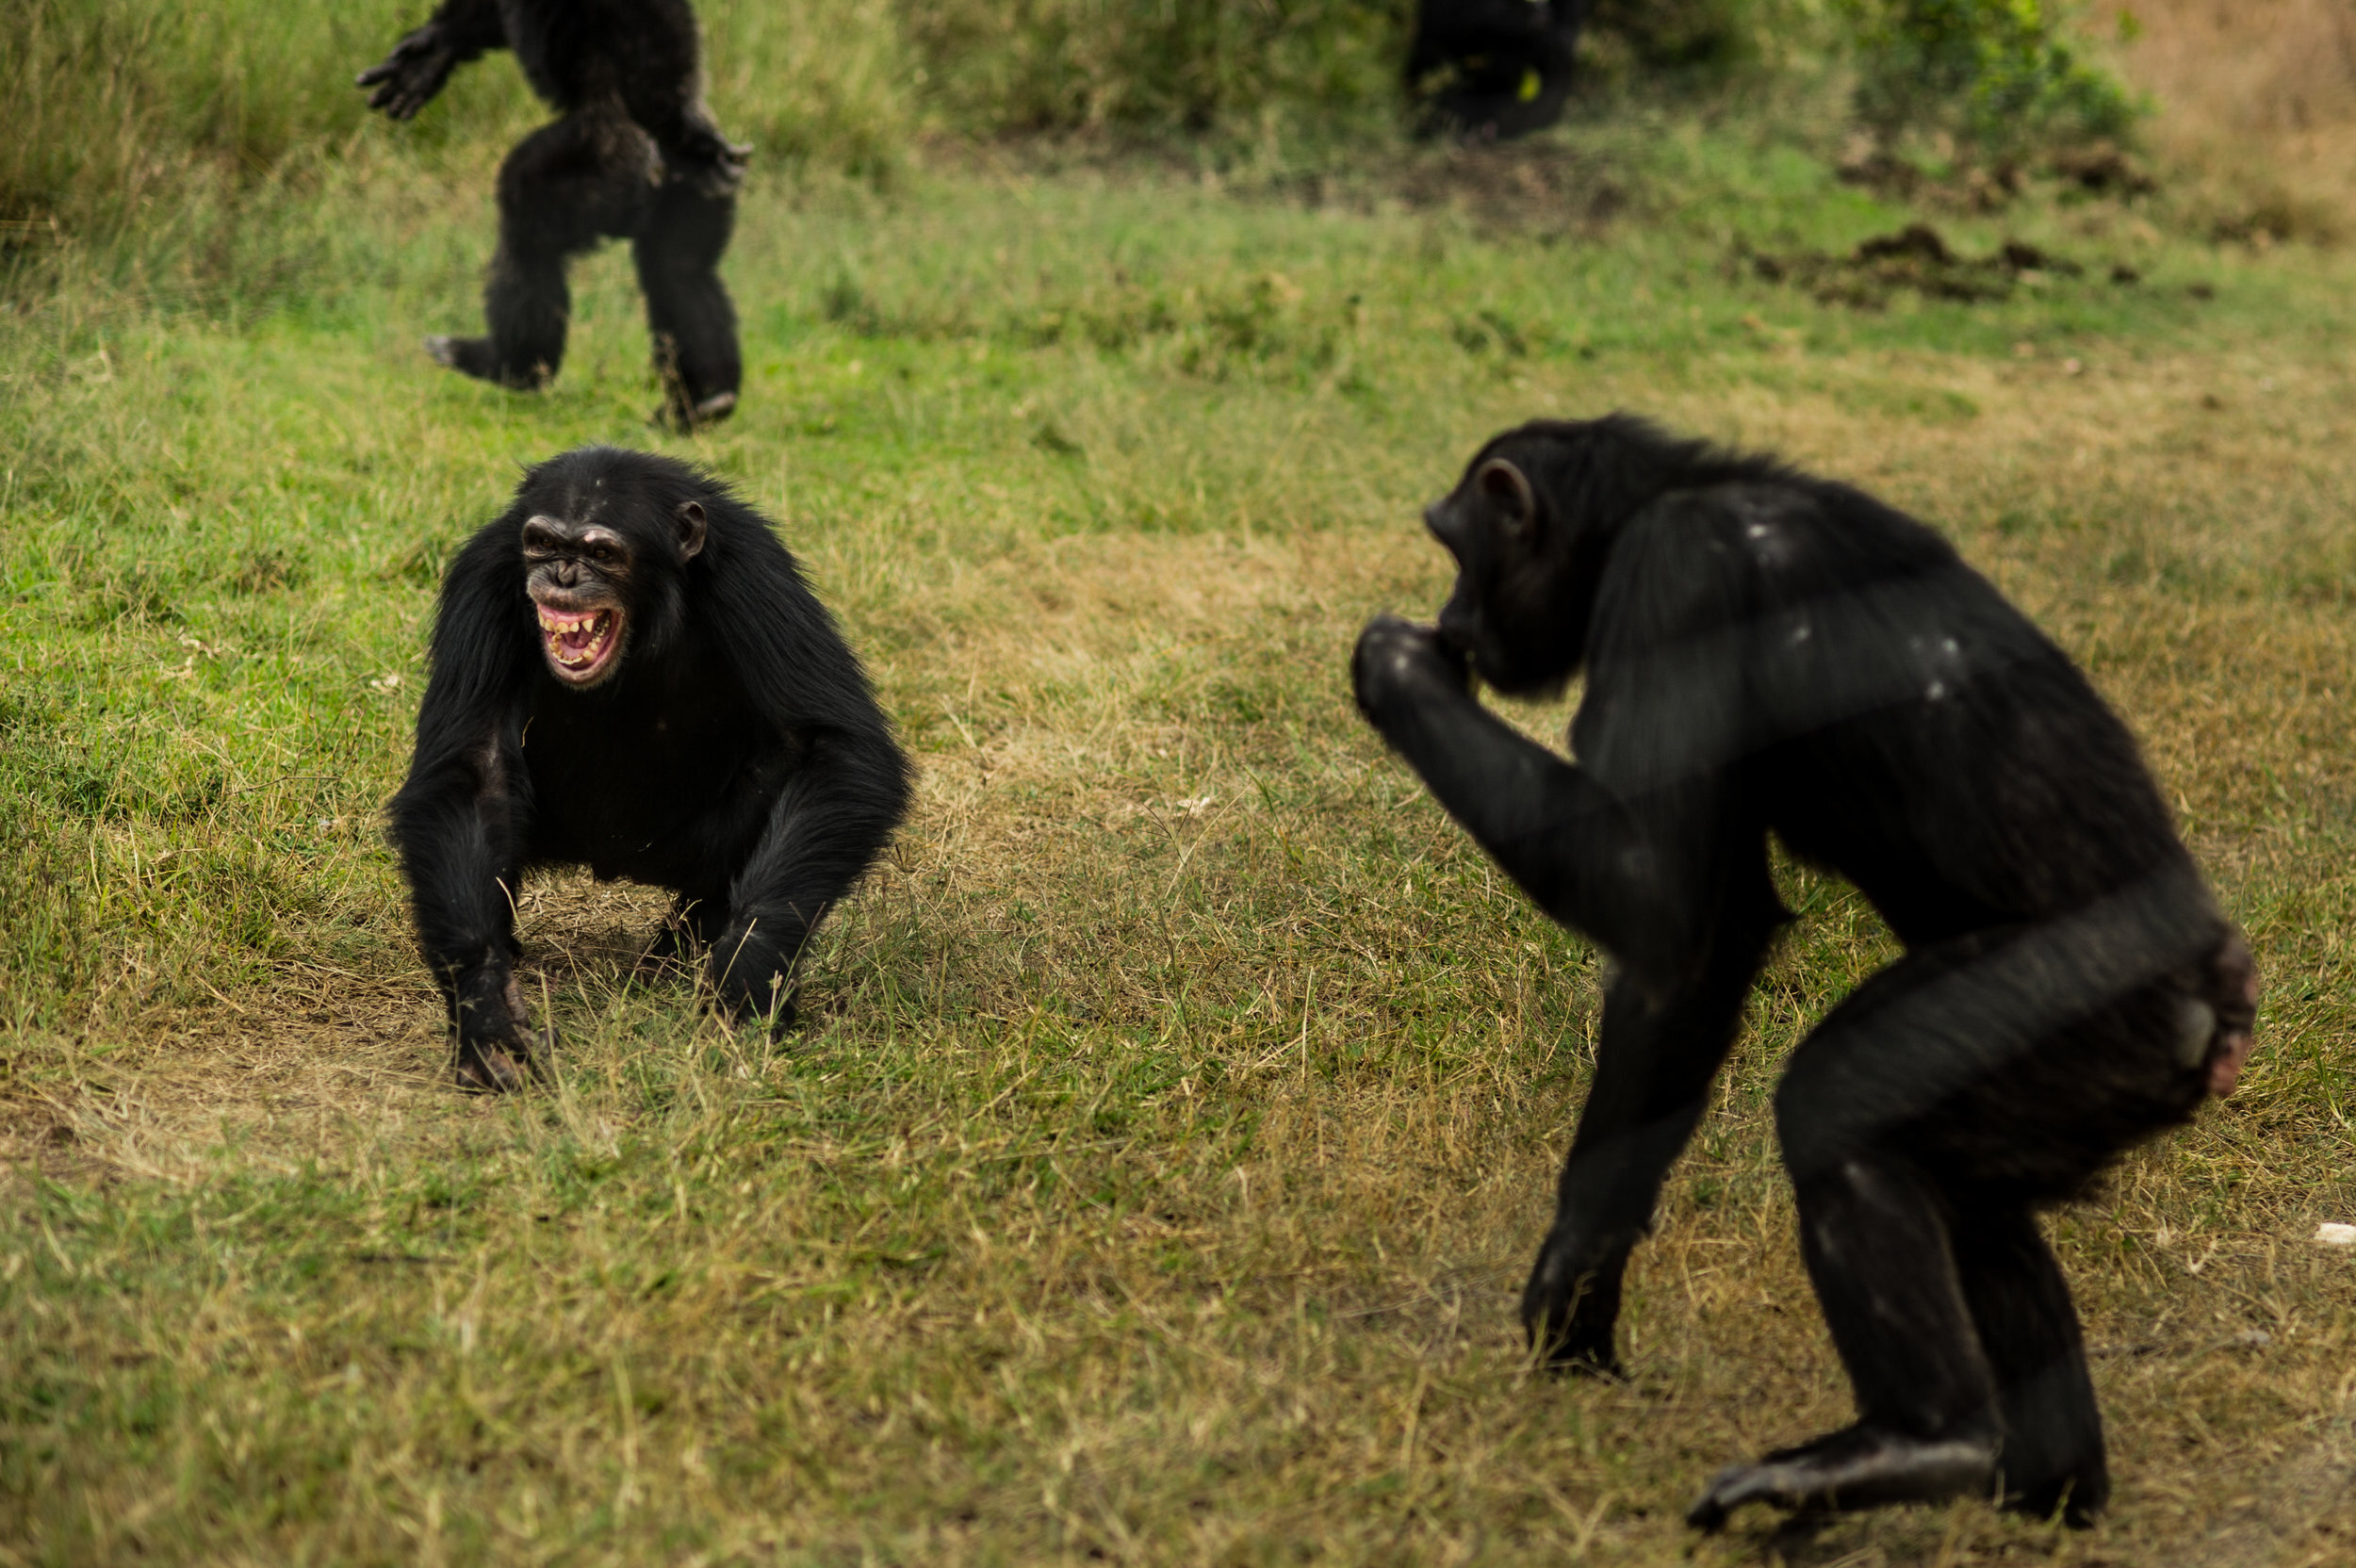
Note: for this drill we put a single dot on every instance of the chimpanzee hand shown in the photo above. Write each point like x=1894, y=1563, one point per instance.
x=1569, y=1313
x=753, y=979
x=1398, y=662
x=408, y=79
x=496, y=1051
x=706, y=160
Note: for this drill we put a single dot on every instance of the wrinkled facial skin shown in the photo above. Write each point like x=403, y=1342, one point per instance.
x=1512, y=611
x=580, y=582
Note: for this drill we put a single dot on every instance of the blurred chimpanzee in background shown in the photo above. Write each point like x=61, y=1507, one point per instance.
x=1491, y=70
x=635, y=155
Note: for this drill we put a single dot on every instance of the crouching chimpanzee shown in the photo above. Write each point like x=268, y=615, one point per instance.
x=635, y=155
x=631, y=674
x=1491, y=70
x=1768, y=652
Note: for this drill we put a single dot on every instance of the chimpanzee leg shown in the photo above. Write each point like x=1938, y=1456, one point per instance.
x=1660, y=1047
x=688, y=309
x=2028, y=1328
x=1918, y=1121
x=565, y=186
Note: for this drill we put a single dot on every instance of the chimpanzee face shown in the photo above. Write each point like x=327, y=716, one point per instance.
x=1513, y=611
x=586, y=581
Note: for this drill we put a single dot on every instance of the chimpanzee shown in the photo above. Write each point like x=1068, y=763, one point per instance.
x=635, y=155
x=1764, y=651
x=1492, y=70
x=630, y=673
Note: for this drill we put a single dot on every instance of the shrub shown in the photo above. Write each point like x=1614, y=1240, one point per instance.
x=2002, y=75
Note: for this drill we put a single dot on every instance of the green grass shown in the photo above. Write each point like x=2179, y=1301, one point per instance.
x=1179, y=1107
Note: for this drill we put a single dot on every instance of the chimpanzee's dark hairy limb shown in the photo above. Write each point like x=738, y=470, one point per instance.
x=1766, y=652
x=630, y=673
x=1492, y=70
x=634, y=155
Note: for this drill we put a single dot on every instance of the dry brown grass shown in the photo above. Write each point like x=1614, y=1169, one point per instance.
x=2259, y=100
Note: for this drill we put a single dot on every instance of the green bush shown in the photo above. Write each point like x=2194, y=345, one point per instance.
x=1007, y=65
x=2002, y=75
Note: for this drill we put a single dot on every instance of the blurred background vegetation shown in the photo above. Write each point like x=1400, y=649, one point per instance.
x=150, y=135
x=119, y=106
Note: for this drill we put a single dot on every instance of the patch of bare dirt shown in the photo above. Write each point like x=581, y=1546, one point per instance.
x=1917, y=258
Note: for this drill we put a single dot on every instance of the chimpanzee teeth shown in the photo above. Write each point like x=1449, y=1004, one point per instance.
x=588, y=654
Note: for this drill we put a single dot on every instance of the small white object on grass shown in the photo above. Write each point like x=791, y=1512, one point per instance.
x=2332, y=1233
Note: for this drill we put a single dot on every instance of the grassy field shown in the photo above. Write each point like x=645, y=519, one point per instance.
x=1179, y=1108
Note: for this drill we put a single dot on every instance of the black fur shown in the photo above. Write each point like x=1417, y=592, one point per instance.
x=736, y=755
x=1766, y=652
x=635, y=155
x=1492, y=70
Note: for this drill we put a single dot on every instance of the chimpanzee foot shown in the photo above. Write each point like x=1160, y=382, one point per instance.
x=682, y=415
x=476, y=357
x=2077, y=1496
x=1857, y=1467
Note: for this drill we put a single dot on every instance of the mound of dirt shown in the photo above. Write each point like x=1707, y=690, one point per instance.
x=1917, y=258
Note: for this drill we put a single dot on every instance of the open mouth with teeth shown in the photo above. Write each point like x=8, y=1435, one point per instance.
x=581, y=644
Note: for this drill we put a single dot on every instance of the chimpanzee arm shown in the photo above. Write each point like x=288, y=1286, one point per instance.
x=837, y=811
x=459, y=824
x=848, y=790
x=1643, y=848
x=654, y=53
x=1629, y=847
x=1663, y=886
x=1659, y=1050
x=1580, y=853
x=408, y=79
x=461, y=819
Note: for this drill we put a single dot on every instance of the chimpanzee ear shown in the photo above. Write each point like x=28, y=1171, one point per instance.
x=688, y=521
x=1507, y=488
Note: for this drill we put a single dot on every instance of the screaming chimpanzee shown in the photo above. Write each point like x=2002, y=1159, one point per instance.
x=1492, y=70
x=1768, y=652
x=635, y=156
x=630, y=673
